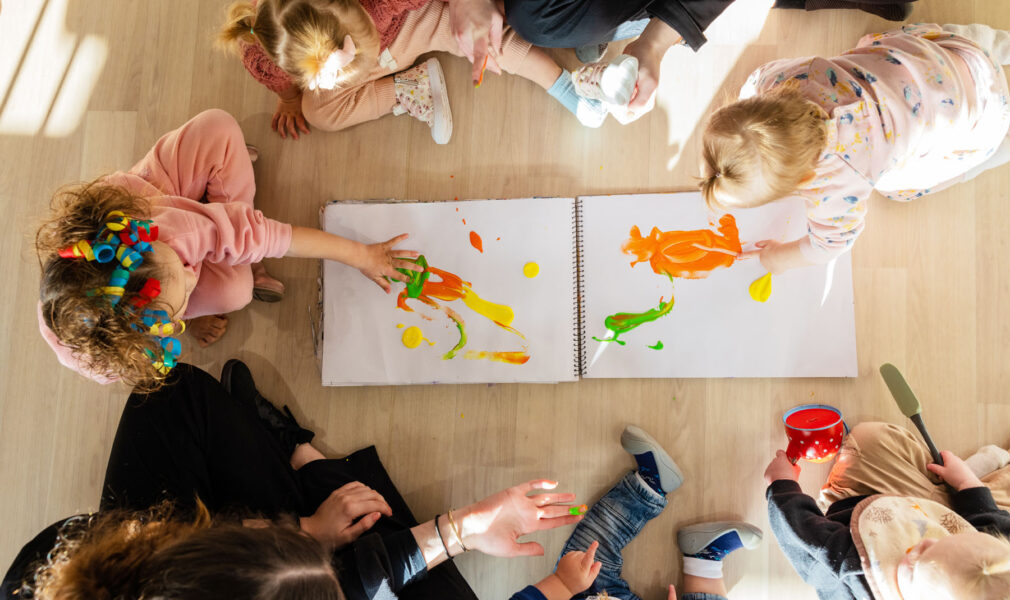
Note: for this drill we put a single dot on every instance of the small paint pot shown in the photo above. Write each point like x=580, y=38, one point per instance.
x=815, y=432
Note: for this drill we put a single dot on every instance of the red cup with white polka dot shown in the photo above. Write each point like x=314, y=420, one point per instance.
x=815, y=432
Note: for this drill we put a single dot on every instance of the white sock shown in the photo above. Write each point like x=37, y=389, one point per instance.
x=709, y=569
x=994, y=41
x=987, y=459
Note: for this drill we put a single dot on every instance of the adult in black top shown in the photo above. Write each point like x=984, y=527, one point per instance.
x=193, y=438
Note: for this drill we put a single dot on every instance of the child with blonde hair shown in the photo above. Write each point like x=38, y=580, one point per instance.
x=337, y=63
x=891, y=525
x=129, y=258
x=906, y=113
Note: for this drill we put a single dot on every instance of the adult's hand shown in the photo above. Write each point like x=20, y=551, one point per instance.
x=649, y=49
x=334, y=524
x=495, y=524
x=477, y=26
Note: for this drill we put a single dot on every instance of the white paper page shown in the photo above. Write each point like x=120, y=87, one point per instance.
x=362, y=344
x=715, y=329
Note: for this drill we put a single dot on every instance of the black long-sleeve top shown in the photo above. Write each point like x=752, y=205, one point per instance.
x=820, y=546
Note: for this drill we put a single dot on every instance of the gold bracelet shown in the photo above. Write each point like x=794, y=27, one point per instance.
x=456, y=531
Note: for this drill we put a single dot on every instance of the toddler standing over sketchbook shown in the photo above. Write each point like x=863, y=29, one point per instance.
x=126, y=258
x=337, y=63
x=619, y=516
x=907, y=113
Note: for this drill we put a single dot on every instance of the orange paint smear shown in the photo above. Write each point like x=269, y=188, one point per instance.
x=464, y=221
x=512, y=358
x=687, y=254
x=475, y=240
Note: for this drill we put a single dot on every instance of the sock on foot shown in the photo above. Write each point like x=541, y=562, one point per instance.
x=590, y=113
x=720, y=547
x=649, y=472
x=699, y=567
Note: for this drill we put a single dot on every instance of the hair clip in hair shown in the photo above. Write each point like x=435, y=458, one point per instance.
x=150, y=291
x=81, y=249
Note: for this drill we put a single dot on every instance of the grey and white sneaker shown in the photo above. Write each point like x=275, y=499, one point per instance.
x=654, y=464
x=713, y=541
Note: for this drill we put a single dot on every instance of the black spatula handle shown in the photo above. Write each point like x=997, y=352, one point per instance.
x=917, y=420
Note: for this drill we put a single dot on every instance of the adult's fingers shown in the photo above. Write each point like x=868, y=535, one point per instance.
x=537, y=484
x=545, y=499
x=363, y=525
x=527, y=549
x=365, y=507
x=348, y=487
x=553, y=512
x=555, y=522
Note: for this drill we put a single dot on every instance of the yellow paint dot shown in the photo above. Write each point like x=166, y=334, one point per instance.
x=761, y=288
x=531, y=269
x=399, y=325
x=412, y=337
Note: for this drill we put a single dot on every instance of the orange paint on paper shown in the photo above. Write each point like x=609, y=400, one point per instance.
x=688, y=254
x=499, y=239
x=512, y=358
x=464, y=221
x=475, y=240
x=457, y=208
x=448, y=287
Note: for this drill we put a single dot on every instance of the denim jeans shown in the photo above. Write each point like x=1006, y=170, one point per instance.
x=613, y=522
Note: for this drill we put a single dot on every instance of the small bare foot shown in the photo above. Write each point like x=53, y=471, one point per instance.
x=254, y=153
x=207, y=330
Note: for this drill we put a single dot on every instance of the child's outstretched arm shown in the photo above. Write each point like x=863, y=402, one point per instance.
x=777, y=257
x=575, y=573
x=375, y=261
x=971, y=498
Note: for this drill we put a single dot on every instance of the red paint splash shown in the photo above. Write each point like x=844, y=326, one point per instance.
x=476, y=242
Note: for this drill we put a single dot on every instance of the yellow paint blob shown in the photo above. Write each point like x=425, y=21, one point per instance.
x=761, y=288
x=499, y=313
x=412, y=337
x=399, y=326
x=531, y=269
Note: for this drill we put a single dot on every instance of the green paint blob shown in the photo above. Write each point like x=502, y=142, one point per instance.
x=417, y=279
x=459, y=345
x=658, y=345
x=624, y=322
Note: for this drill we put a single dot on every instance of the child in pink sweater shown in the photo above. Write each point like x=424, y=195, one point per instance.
x=127, y=258
x=906, y=113
x=337, y=63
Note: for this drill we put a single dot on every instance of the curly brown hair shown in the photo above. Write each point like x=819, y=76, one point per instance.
x=107, y=340
x=160, y=553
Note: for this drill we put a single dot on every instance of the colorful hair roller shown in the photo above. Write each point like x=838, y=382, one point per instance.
x=150, y=291
x=117, y=221
x=129, y=258
x=81, y=249
x=104, y=251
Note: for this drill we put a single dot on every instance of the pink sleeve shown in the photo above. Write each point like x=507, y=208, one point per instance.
x=836, y=209
x=65, y=354
x=264, y=69
x=231, y=233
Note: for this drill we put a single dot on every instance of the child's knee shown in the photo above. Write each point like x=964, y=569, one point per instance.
x=874, y=437
x=218, y=123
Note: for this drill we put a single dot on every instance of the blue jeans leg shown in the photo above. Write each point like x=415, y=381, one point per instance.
x=702, y=597
x=613, y=522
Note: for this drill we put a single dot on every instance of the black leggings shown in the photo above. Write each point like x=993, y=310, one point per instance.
x=192, y=439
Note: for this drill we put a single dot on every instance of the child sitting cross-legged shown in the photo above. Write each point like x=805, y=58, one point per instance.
x=619, y=516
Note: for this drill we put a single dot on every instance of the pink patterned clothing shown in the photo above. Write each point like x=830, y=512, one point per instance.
x=199, y=181
x=910, y=111
x=388, y=16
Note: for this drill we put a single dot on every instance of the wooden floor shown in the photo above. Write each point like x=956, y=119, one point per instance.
x=86, y=87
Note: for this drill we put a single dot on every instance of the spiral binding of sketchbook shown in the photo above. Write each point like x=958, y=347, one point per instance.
x=578, y=293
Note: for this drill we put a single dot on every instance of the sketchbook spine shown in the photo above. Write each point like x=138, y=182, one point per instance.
x=579, y=337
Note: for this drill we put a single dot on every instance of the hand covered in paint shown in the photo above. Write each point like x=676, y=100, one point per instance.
x=333, y=524
x=381, y=261
x=781, y=468
x=477, y=27
x=495, y=524
x=288, y=118
x=955, y=472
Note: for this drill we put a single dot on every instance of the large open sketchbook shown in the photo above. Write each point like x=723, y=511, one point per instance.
x=553, y=289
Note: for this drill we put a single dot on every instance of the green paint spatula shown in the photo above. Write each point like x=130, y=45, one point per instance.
x=908, y=404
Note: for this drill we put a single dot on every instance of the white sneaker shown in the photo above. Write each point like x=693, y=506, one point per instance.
x=693, y=539
x=612, y=83
x=645, y=449
x=421, y=92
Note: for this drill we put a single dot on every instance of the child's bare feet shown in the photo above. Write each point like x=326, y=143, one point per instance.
x=265, y=287
x=207, y=330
